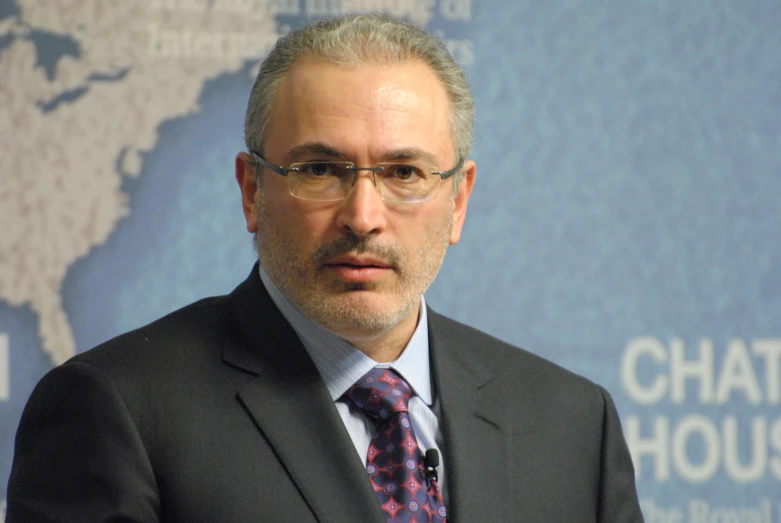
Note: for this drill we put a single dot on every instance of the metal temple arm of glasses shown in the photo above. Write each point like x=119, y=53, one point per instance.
x=262, y=161
x=447, y=174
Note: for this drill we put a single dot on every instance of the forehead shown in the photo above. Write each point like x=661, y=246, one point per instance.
x=366, y=110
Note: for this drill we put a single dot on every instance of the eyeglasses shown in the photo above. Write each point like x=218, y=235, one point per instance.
x=327, y=181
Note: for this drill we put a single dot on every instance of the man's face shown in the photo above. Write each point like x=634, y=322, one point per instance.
x=357, y=266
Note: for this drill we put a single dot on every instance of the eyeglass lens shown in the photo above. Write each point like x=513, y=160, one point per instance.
x=326, y=181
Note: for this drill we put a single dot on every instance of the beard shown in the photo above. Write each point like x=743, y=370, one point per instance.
x=349, y=308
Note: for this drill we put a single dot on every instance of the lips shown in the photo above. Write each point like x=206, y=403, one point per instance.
x=359, y=262
x=358, y=269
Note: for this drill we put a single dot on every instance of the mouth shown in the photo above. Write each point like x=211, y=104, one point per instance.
x=359, y=262
x=358, y=268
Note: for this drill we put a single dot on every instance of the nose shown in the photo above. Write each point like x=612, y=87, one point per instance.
x=362, y=212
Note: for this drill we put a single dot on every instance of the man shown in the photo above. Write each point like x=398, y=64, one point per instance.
x=273, y=403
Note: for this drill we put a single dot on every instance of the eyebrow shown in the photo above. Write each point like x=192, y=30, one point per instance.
x=412, y=153
x=300, y=151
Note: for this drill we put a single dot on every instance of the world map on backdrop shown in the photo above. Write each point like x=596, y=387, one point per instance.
x=634, y=242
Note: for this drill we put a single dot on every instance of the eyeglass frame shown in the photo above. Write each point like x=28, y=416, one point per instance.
x=283, y=171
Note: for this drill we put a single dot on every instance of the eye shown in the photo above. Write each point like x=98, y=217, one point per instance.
x=317, y=169
x=405, y=173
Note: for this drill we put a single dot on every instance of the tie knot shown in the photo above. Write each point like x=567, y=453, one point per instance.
x=380, y=393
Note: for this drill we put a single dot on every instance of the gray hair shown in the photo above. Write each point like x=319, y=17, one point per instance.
x=352, y=40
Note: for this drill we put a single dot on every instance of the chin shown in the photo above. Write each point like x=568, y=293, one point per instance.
x=358, y=313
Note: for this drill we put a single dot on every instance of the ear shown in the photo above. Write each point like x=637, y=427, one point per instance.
x=461, y=199
x=248, y=184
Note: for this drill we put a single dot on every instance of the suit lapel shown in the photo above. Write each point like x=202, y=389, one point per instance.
x=290, y=404
x=472, y=412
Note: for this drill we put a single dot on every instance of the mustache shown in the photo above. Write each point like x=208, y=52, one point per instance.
x=350, y=243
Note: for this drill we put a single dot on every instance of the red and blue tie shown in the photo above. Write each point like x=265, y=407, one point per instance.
x=394, y=461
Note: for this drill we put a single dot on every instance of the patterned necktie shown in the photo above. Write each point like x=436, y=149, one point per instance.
x=394, y=461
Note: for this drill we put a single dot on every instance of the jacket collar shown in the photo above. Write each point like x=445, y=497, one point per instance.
x=473, y=410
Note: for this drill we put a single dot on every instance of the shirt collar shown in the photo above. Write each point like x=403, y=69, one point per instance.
x=340, y=364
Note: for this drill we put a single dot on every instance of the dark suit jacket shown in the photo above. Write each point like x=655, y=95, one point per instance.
x=215, y=413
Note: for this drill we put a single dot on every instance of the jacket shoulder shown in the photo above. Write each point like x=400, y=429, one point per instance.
x=504, y=360
x=175, y=338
